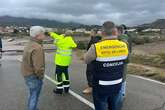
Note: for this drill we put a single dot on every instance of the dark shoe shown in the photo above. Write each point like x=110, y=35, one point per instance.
x=58, y=91
x=66, y=89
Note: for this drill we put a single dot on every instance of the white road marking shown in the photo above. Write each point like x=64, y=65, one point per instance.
x=80, y=98
x=90, y=104
x=135, y=76
x=147, y=79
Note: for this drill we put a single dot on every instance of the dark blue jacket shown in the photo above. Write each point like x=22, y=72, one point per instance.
x=93, y=40
x=109, y=66
x=0, y=43
x=106, y=74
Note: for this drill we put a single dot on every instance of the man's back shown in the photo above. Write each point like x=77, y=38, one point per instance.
x=67, y=42
x=110, y=56
x=33, y=60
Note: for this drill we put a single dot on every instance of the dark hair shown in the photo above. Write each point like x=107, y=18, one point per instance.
x=124, y=26
x=120, y=28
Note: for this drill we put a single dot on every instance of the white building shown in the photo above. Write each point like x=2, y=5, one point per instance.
x=151, y=30
x=80, y=30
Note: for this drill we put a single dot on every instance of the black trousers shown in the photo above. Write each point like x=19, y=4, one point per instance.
x=62, y=77
x=89, y=75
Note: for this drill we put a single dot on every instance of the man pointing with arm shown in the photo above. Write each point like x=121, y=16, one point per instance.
x=62, y=59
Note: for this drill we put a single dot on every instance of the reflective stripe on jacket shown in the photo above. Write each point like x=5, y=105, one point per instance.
x=109, y=65
x=64, y=46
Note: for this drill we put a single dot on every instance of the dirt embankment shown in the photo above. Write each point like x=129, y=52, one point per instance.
x=148, y=60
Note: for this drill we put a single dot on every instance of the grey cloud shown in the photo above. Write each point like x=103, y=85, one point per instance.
x=130, y=12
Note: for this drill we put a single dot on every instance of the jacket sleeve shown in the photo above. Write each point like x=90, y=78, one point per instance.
x=94, y=39
x=55, y=36
x=74, y=45
x=38, y=60
x=90, y=43
x=71, y=42
x=90, y=55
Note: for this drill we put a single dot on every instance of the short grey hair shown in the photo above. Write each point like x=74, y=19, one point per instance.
x=35, y=30
x=108, y=27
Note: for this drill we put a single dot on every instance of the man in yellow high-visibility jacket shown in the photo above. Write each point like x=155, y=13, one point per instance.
x=63, y=58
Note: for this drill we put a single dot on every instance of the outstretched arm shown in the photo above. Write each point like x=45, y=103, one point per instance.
x=55, y=36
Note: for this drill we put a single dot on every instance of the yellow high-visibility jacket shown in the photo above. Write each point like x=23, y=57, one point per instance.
x=64, y=46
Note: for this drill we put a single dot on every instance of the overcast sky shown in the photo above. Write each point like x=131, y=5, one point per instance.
x=130, y=12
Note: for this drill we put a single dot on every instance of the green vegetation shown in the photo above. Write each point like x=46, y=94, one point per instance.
x=145, y=37
x=147, y=72
x=138, y=40
x=151, y=60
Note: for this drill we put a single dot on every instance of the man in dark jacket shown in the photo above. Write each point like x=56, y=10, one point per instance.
x=125, y=37
x=0, y=49
x=94, y=39
x=0, y=44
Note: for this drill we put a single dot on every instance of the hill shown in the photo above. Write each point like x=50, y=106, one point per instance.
x=20, y=21
x=158, y=24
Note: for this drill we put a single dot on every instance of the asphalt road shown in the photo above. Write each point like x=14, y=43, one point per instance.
x=141, y=94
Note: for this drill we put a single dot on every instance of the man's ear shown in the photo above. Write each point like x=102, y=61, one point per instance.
x=37, y=36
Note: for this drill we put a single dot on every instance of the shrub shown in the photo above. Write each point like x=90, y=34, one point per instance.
x=152, y=60
x=138, y=40
x=147, y=39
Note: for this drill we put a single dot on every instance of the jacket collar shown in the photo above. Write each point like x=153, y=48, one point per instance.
x=37, y=41
x=110, y=38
